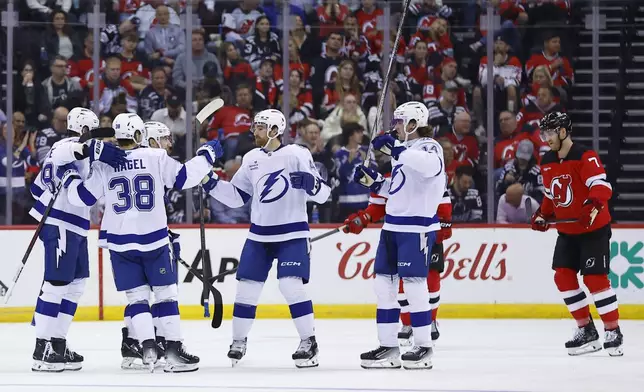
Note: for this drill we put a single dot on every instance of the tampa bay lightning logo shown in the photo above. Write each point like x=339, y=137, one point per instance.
x=398, y=179
x=275, y=186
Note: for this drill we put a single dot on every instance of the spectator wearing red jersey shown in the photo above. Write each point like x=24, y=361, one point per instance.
x=434, y=86
x=111, y=85
x=507, y=79
x=356, y=45
x=368, y=13
x=295, y=63
x=346, y=82
x=533, y=113
x=540, y=78
x=300, y=102
x=233, y=120
x=433, y=30
x=558, y=65
x=375, y=36
x=81, y=67
x=133, y=62
x=266, y=91
x=164, y=41
x=505, y=145
x=448, y=157
x=546, y=11
x=465, y=145
x=236, y=69
x=331, y=15
x=420, y=68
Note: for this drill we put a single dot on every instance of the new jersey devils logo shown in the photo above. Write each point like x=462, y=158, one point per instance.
x=561, y=190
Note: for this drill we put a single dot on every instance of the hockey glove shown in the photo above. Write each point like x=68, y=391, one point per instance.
x=591, y=208
x=444, y=233
x=356, y=222
x=105, y=152
x=67, y=173
x=538, y=221
x=211, y=150
x=209, y=182
x=387, y=145
x=369, y=178
x=306, y=181
x=176, y=246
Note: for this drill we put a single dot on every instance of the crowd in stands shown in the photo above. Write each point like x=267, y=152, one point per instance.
x=335, y=77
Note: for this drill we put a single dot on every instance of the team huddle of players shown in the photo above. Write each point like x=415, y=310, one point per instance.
x=132, y=175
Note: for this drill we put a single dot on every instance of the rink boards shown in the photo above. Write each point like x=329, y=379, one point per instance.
x=490, y=272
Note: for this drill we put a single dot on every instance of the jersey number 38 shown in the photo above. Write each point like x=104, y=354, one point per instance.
x=138, y=192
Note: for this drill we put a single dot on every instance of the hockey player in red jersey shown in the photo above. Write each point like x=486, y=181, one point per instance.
x=356, y=222
x=576, y=188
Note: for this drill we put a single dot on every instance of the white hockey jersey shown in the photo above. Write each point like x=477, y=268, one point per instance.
x=63, y=213
x=278, y=212
x=135, y=216
x=415, y=188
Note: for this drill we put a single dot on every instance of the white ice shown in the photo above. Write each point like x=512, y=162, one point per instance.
x=471, y=356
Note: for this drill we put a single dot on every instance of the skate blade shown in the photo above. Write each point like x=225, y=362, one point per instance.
x=306, y=363
x=405, y=342
x=73, y=366
x=418, y=365
x=181, y=368
x=40, y=366
x=587, y=348
x=132, y=364
x=615, y=351
x=388, y=363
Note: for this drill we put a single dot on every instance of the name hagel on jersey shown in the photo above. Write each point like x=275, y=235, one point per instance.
x=132, y=192
x=411, y=206
x=278, y=212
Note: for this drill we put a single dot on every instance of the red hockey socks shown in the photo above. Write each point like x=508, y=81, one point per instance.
x=434, y=286
x=574, y=297
x=404, y=305
x=605, y=299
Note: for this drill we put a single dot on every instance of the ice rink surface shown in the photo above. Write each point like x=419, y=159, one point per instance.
x=471, y=356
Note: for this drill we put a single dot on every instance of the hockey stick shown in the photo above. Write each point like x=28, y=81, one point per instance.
x=385, y=85
x=328, y=233
x=202, y=116
x=528, y=209
x=216, y=320
x=31, y=244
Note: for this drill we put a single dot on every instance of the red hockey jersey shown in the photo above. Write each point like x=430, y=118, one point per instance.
x=562, y=76
x=232, y=119
x=569, y=182
x=466, y=148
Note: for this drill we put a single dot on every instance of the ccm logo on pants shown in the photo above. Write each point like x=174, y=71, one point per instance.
x=290, y=264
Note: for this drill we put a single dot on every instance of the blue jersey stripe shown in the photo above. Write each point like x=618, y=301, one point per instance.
x=279, y=229
x=411, y=220
x=86, y=197
x=36, y=190
x=141, y=239
x=63, y=216
x=181, y=179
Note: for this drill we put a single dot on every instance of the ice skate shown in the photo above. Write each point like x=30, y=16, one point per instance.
x=306, y=354
x=149, y=349
x=46, y=358
x=613, y=341
x=131, y=353
x=585, y=341
x=435, y=333
x=418, y=358
x=405, y=336
x=237, y=351
x=73, y=360
x=177, y=360
x=161, y=351
x=381, y=358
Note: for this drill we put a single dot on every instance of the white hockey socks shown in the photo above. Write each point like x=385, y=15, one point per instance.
x=301, y=307
x=419, y=310
x=47, y=309
x=245, y=308
x=127, y=319
x=139, y=309
x=68, y=307
x=388, y=312
x=167, y=312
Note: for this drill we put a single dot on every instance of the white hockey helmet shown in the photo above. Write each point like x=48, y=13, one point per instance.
x=409, y=111
x=129, y=126
x=81, y=120
x=155, y=130
x=271, y=118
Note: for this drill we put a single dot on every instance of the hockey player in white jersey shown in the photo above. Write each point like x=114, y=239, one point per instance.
x=136, y=229
x=157, y=135
x=64, y=237
x=280, y=179
x=414, y=191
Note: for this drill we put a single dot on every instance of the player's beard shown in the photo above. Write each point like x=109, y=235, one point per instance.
x=557, y=145
x=260, y=142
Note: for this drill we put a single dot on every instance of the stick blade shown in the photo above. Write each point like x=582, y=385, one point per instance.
x=207, y=111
